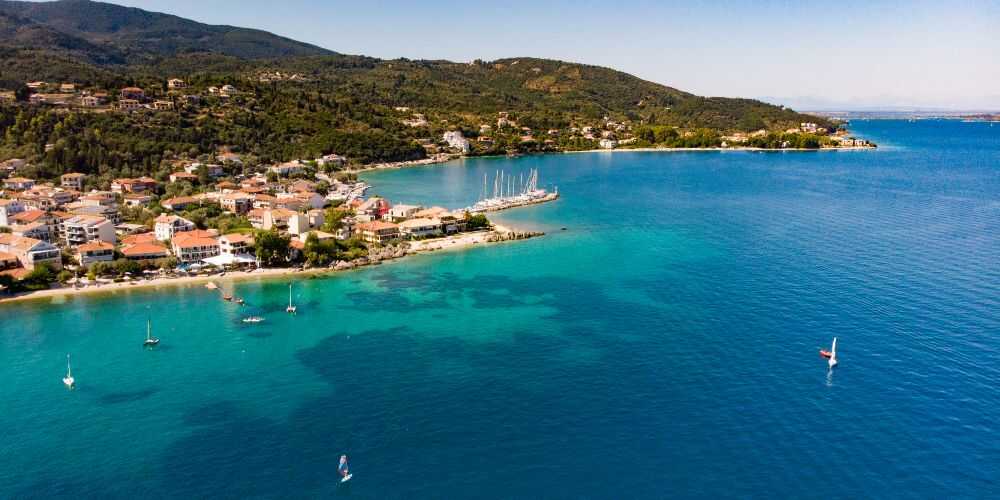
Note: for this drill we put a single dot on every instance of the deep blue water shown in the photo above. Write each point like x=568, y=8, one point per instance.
x=663, y=345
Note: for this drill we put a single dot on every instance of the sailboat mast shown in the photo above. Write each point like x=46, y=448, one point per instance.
x=69, y=368
x=148, y=328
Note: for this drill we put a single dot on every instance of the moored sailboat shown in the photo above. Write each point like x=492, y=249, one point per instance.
x=290, y=309
x=68, y=379
x=150, y=341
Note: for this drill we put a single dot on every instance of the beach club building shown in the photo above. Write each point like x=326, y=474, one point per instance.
x=145, y=251
x=194, y=246
x=236, y=244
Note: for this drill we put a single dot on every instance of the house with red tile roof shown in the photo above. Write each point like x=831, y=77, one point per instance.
x=145, y=251
x=91, y=253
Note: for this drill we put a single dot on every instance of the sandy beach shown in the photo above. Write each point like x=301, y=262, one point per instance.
x=456, y=242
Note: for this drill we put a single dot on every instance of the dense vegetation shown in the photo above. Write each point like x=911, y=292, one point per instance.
x=349, y=105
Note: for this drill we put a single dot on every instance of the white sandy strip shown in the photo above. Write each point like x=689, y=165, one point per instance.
x=460, y=241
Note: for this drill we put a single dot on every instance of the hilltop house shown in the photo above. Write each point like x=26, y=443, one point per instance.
x=72, y=180
x=238, y=203
x=183, y=176
x=140, y=185
x=134, y=93
x=179, y=202
x=456, y=140
x=8, y=208
x=287, y=168
x=18, y=183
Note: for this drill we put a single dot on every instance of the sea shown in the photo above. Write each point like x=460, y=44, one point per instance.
x=660, y=341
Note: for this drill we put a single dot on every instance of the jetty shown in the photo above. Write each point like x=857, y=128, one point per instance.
x=510, y=192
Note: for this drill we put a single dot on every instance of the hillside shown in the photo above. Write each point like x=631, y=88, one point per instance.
x=132, y=35
x=366, y=108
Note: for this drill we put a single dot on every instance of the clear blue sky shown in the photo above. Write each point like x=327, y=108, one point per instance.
x=888, y=52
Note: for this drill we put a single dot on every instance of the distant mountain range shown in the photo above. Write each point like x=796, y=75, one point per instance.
x=85, y=41
x=103, y=33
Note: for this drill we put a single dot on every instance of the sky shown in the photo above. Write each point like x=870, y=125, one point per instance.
x=806, y=54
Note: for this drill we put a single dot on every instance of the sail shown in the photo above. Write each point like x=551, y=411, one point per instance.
x=833, y=348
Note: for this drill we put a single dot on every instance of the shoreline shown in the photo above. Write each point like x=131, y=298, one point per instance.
x=741, y=148
x=447, y=157
x=498, y=234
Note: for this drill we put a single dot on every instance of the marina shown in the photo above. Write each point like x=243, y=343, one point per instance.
x=511, y=192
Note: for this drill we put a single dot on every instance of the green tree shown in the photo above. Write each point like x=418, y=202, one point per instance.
x=334, y=219
x=319, y=253
x=271, y=247
x=203, y=178
x=39, y=278
x=477, y=221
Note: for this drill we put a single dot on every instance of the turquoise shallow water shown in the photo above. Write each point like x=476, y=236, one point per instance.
x=664, y=345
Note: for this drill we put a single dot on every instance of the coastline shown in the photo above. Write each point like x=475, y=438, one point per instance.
x=447, y=157
x=432, y=160
x=751, y=149
x=498, y=234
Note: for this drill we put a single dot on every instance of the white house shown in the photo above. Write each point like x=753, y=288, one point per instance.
x=455, y=139
x=287, y=168
x=169, y=225
x=8, y=208
x=81, y=229
x=402, y=212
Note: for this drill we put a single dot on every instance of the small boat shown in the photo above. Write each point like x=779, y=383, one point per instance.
x=227, y=298
x=831, y=355
x=290, y=309
x=239, y=301
x=151, y=341
x=68, y=379
x=253, y=319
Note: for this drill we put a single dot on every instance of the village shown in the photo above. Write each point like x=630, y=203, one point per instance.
x=222, y=212
x=288, y=215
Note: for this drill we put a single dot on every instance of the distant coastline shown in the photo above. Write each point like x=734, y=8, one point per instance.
x=445, y=158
